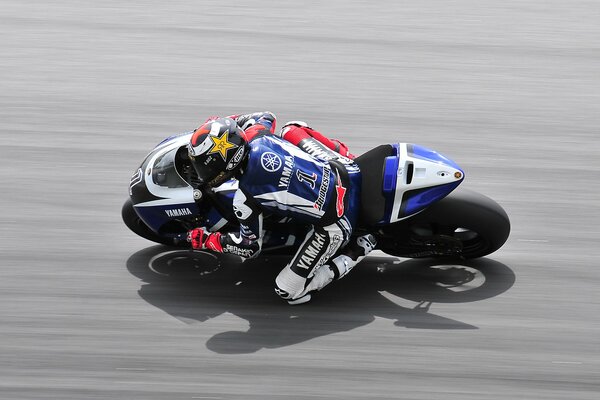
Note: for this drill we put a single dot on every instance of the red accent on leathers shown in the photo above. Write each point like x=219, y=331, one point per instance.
x=343, y=149
x=295, y=134
x=254, y=130
x=341, y=192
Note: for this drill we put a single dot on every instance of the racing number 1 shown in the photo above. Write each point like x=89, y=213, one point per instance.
x=310, y=179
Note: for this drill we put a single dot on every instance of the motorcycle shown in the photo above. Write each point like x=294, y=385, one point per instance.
x=408, y=202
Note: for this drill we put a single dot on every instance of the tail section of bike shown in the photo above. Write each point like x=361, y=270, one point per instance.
x=409, y=204
x=400, y=180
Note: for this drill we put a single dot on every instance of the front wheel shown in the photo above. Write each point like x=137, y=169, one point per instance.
x=465, y=224
x=137, y=226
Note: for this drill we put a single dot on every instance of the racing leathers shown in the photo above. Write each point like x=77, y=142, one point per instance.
x=214, y=219
x=306, y=181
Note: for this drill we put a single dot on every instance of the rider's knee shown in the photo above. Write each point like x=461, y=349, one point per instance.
x=288, y=284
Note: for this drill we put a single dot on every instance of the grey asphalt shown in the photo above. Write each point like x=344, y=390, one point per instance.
x=510, y=90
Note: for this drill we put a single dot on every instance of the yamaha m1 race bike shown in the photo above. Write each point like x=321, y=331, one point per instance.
x=408, y=202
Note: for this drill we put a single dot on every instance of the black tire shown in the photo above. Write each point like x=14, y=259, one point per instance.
x=477, y=223
x=137, y=226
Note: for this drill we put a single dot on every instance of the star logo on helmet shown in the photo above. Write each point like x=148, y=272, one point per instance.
x=221, y=145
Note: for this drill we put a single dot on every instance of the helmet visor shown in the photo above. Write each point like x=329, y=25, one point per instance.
x=206, y=169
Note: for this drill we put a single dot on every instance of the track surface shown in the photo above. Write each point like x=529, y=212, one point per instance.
x=510, y=90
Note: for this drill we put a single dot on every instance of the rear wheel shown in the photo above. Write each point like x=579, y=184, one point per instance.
x=465, y=223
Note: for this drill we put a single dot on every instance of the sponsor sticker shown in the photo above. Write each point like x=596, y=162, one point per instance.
x=323, y=188
x=270, y=162
x=312, y=251
x=221, y=145
x=284, y=180
x=245, y=253
x=237, y=157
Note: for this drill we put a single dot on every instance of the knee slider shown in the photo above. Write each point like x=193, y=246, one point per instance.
x=289, y=285
x=282, y=293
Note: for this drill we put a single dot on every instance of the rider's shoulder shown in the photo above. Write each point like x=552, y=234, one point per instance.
x=265, y=141
x=264, y=146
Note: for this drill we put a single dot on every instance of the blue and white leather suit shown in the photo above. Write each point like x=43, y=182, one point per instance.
x=322, y=190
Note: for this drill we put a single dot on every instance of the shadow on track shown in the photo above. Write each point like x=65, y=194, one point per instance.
x=196, y=286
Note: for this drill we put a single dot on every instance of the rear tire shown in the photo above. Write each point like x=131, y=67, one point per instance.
x=465, y=224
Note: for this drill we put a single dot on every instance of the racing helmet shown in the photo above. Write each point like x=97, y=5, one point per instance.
x=216, y=149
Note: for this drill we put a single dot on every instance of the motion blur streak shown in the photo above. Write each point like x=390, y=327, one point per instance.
x=510, y=90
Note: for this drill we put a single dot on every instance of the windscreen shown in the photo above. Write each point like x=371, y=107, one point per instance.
x=164, y=172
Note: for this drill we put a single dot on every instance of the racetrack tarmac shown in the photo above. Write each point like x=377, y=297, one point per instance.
x=509, y=90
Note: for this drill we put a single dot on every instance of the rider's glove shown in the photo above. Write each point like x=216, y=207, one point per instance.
x=201, y=239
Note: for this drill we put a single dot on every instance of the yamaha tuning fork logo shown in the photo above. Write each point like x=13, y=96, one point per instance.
x=271, y=162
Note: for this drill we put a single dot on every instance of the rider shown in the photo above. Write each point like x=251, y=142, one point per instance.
x=295, y=174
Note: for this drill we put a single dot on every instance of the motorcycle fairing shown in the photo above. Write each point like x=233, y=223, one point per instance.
x=415, y=177
x=162, y=194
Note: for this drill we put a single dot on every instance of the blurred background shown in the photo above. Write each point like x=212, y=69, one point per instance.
x=510, y=90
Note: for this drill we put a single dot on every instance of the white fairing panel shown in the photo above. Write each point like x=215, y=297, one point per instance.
x=168, y=195
x=421, y=170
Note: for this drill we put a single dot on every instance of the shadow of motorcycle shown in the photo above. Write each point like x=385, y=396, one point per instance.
x=195, y=286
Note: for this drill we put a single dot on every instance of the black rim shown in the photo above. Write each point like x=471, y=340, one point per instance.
x=184, y=264
x=471, y=241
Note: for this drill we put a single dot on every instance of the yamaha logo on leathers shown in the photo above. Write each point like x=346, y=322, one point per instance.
x=318, y=150
x=284, y=181
x=333, y=247
x=312, y=251
x=271, y=162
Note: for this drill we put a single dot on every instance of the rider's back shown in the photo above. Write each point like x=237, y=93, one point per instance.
x=286, y=181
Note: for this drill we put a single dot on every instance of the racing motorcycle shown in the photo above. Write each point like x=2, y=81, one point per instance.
x=408, y=202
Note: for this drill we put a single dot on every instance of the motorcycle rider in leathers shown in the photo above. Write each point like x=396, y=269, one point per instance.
x=296, y=173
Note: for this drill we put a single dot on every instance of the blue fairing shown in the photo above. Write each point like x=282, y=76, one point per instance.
x=407, y=183
x=419, y=199
x=390, y=174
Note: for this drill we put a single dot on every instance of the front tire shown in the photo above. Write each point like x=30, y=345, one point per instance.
x=137, y=226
